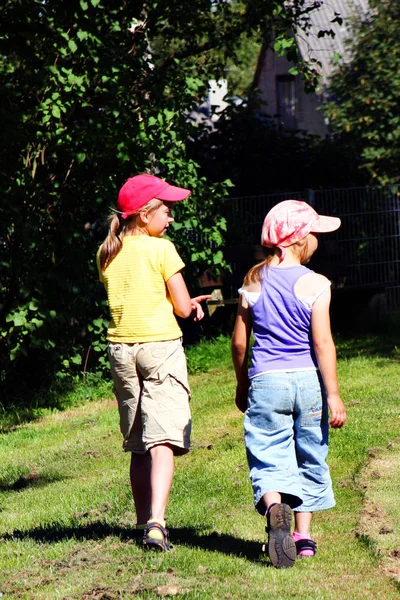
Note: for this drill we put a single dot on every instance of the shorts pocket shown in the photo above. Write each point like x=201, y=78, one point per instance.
x=270, y=406
x=313, y=408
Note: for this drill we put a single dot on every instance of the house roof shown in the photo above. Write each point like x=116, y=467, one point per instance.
x=324, y=48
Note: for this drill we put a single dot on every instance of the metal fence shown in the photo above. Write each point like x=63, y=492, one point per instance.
x=363, y=253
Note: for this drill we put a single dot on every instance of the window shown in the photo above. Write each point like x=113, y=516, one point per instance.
x=286, y=101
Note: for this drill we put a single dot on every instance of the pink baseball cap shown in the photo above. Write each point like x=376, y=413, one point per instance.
x=139, y=190
x=292, y=220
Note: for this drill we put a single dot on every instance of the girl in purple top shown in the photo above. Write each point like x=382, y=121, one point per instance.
x=292, y=380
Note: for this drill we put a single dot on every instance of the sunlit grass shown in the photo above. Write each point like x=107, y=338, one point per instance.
x=67, y=517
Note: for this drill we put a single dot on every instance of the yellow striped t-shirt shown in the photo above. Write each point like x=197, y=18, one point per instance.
x=135, y=282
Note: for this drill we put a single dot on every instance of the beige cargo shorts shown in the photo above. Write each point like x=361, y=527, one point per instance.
x=151, y=386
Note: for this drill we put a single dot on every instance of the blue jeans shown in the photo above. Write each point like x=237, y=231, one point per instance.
x=286, y=437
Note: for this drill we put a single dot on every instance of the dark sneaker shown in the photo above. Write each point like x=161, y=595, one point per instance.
x=156, y=537
x=281, y=546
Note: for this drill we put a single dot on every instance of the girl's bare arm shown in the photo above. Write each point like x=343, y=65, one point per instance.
x=240, y=352
x=184, y=305
x=325, y=352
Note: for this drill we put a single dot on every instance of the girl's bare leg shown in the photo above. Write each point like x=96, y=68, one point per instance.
x=140, y=471
x=162, y=471
x=271, y=498
x=302, y=522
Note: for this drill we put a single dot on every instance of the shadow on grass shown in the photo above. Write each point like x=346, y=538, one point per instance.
x=30, y=480
x=183, y=536
x=368, y=345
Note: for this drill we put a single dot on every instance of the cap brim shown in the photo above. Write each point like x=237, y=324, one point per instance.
x=326, y=224
x=173, y=194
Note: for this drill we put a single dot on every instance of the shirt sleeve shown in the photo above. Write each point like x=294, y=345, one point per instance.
x=308, y=301
x=251, y=297
x=172, y=261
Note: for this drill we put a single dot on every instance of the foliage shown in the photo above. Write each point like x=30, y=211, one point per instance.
x=91, y=93
x=259, y=158
x=363, y=107
x=240, y=69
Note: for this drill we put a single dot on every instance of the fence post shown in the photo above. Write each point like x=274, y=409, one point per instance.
x=309, y=196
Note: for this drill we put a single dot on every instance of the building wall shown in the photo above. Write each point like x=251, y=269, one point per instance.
x=308, y=115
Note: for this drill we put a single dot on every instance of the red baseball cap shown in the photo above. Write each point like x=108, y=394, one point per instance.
x=139, y=190
x=292, y=220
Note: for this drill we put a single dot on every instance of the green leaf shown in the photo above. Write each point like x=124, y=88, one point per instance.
x=14, y=352
x=72, y=46
x=82, y=35
x=19, y=320
x=55, y=111
x=84, y=5
x=81, y=157
x=222, y=224
x=169, y=114
x=37, y=322
x=176, y=226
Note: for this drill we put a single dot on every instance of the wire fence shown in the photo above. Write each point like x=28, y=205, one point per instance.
x=363, y=253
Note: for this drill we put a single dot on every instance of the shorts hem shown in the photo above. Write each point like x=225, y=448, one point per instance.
x=315, y=508
x=177, y=449
x=290, y=498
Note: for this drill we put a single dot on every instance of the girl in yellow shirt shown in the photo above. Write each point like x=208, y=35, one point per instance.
x=145, y=288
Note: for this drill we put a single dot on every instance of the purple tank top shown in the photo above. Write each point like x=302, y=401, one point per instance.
x=281, y=324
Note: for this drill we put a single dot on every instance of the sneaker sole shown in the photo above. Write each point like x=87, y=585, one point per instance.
x=281, y=546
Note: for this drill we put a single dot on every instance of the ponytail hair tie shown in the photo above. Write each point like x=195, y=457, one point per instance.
x=123, y=214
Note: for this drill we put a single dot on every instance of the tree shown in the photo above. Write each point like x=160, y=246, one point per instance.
x=92, y=93
x=363, y=106
x=248, y=148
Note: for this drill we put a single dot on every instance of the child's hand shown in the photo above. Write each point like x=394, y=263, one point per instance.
x=241, y=396
x=197, y=310
x=337, y=410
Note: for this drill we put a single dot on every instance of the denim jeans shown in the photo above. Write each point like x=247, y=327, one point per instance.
x=286, y=437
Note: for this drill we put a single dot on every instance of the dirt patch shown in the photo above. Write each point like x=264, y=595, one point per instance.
x=101, y=594
x=145, y=582
x=380, y=519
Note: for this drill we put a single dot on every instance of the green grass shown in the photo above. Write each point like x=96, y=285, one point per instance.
x=66, y=513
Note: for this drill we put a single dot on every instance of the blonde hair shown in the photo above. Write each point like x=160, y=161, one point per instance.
x=118, y=228
x=255, y=274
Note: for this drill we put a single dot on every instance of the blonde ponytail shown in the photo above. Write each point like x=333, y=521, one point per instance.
x=254, y=275
x=113, y=242
x=118, y=228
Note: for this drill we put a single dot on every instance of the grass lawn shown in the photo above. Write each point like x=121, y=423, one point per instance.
x=67, y=517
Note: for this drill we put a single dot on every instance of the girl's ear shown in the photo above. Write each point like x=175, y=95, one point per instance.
x=143, y=216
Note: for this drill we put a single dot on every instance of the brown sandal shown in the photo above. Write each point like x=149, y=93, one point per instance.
x=156, y=537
